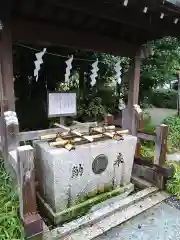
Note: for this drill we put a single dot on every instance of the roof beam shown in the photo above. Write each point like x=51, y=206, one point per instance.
x=47, y=35
x=5, y=10
x=126, y=15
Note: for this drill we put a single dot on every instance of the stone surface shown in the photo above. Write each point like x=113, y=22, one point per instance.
x=174, y=202
x=112, y=200
x=173, y=157
x=79, y=230
x=104, y=213
x=161, y=222
x=65, y=176
x=84, y=207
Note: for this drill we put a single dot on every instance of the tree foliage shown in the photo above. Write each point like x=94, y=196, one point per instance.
x=160, y=67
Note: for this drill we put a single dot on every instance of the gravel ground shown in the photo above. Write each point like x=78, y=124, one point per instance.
x=173, y=201
x=161, y=222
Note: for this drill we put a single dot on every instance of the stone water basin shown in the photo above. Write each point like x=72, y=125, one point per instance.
x=66, y=177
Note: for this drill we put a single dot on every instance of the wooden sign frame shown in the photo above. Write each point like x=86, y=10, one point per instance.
x=60, y=96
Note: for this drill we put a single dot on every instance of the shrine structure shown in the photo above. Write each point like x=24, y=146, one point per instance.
x=118, y=27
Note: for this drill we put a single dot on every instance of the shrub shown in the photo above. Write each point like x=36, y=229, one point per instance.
x=174, y=133
x=10, y=226
x=147, y=147
x=164, y=98
x=147, y=150
x=91, y=110
x=173, y=184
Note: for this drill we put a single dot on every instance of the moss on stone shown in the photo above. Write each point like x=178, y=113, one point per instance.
x=98, y=192
x=85, y=203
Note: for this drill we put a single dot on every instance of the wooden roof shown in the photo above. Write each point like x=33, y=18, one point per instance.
x=98, y=25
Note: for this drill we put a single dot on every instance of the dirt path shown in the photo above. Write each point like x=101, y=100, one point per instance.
x=159, y=114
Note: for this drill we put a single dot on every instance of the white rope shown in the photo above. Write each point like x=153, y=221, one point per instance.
x=54, y=54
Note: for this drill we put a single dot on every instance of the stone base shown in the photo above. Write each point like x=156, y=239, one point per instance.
x=99, y=222
x=83, y=207
x=65, y=176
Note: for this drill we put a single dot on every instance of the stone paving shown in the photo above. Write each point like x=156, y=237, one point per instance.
x=161, y=222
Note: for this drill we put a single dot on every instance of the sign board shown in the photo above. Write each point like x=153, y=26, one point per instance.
x=61, y=104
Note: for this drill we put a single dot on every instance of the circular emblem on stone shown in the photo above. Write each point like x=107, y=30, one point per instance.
x=99, y=164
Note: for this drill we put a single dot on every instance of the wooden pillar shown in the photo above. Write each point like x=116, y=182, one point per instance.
x=139, y=123
x=7, y=100
x=33, y=224
x=3, y=135
x=178, y=100
x=7, y=67
x=12, y=130
x=133, y=93
x=161, y=144
x=1, y=93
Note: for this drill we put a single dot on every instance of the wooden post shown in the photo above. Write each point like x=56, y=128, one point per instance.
x=133, y=93
x=178, y=99
x=32, y=221
x=160, y=150
x=3, y=135
x=12, y=130
x=138, y=146
x=6, y=84
x=138, y=124
x=7, y=66
x=10, y=135
x=63, y=121
x=1, y=94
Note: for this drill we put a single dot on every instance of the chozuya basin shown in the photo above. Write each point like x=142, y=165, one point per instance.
x=66, y=176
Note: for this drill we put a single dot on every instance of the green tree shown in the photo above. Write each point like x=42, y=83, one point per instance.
x=160, y=67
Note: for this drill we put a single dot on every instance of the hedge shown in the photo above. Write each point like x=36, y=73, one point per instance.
x=174, y=133
x=164, y=98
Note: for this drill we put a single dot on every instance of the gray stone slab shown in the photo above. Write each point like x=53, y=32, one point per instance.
x=109, y=216
x=161, y=222
x=66, y=177
x=173, y=157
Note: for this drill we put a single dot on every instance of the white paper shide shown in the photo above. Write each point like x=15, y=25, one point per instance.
x=94, y=74
x=118, y=72
x=68, y=70
x=38, y=62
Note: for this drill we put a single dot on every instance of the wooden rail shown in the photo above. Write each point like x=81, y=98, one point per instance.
x=160, y=138
x=146, y=136
x=32, y=222
x=164, y=171
x=32, y=135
